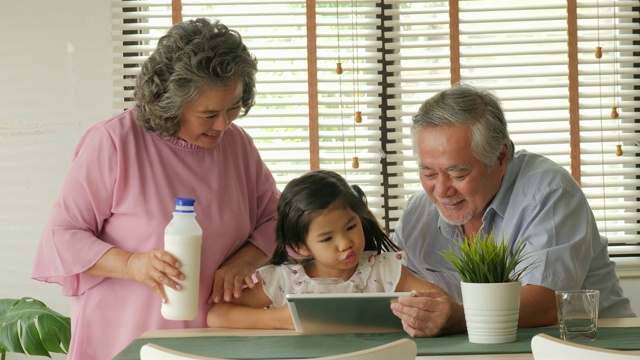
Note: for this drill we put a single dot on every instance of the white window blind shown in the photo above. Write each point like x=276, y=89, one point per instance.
x=519, y=50
x=396, y=54
x=276, y=32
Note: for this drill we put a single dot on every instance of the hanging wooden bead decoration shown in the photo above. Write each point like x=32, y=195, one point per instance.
x=355, y=72
x=614, y=112
x=614, y=109
x=599, y=52
x=339, y=68
x=358, y=117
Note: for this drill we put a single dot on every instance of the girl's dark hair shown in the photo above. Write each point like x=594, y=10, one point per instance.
x=310, y=194
x=194, y=56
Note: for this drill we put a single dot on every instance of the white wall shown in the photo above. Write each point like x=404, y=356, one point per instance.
x=55, y=81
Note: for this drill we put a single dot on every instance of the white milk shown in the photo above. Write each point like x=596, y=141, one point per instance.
x=183, y=239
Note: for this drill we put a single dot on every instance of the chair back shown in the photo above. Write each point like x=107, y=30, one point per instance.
x=156, y=352
x=403, y=349
x=547, y=347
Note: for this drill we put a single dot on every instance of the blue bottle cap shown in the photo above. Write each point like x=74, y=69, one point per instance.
x=185, y=202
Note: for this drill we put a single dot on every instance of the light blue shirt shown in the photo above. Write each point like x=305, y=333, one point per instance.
x=539, y=201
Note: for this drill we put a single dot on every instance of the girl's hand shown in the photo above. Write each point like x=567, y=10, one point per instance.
x=155, y=269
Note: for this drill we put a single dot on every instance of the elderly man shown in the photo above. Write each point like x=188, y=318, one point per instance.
x=474, y=182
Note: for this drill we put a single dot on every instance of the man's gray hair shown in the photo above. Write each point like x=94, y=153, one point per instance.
x=464, y=104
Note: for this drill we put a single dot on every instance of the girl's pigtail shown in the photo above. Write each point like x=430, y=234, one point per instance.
x=280, y=255
x=376, y=237
x=359, y=193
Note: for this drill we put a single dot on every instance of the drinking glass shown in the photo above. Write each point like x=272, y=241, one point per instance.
x=577, y=314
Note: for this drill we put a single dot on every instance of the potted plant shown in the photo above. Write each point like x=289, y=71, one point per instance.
x=490, y=286
x=28, y=326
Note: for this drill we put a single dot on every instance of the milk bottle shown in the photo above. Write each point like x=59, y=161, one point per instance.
x=183, y=239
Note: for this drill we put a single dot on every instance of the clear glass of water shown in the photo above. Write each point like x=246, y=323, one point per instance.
x=577, y=314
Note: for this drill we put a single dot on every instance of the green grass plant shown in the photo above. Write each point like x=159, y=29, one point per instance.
x=483, y=260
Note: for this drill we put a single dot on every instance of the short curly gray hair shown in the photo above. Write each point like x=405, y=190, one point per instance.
x=193, y=56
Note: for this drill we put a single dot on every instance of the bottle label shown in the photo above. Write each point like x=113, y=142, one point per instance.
x=183, y=304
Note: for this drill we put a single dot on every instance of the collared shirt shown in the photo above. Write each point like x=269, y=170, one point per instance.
x=539, y=202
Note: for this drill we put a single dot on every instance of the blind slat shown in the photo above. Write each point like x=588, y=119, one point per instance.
x=518, y=49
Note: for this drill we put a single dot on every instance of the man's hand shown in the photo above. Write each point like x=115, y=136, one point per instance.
x=429, y=313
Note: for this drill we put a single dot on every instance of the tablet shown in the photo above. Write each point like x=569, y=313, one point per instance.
x=344, y=312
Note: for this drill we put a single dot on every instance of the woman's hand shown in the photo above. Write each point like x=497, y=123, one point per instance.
x=236, y=273
x=155, y=269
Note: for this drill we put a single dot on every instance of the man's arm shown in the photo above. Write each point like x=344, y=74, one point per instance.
x=434, y=313
x=537, y=307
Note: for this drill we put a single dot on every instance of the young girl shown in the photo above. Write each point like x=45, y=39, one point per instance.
x=325, y=231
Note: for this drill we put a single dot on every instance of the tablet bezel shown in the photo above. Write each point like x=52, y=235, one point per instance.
x=344, y=312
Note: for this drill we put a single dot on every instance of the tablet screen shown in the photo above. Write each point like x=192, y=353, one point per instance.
x=344, y=313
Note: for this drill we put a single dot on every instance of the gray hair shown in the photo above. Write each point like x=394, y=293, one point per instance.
x=193, y=56
x=463, y=104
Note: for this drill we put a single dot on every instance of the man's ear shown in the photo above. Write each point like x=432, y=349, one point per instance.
x=502, y=156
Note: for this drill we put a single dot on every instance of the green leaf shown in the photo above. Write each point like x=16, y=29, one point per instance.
x=484, y=260
x=28, y=326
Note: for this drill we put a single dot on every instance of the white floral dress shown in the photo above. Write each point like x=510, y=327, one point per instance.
x=375, y=273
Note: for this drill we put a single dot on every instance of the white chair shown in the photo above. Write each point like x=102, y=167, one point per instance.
x=403, y=349
x=546, y=347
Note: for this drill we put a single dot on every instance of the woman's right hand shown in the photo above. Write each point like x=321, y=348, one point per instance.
x=155, y=268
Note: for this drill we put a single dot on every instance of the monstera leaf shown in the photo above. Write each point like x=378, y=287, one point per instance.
x=28, y=326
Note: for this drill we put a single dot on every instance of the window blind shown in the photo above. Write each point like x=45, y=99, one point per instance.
x=520, y=51
x=396, y=54
x=276, y=33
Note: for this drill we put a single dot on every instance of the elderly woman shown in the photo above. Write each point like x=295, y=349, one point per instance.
x=103, y=241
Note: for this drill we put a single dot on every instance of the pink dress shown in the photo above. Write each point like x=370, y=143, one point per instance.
x=120, y=192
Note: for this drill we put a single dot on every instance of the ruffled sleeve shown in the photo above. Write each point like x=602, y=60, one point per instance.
x=69, y=244
x=279, y=280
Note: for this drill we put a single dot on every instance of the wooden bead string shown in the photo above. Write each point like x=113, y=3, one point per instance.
x=339, y=72
x=598, y=54
x=614, y=108
x=355, y=164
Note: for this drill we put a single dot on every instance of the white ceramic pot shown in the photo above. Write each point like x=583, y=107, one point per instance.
x=491, y=311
